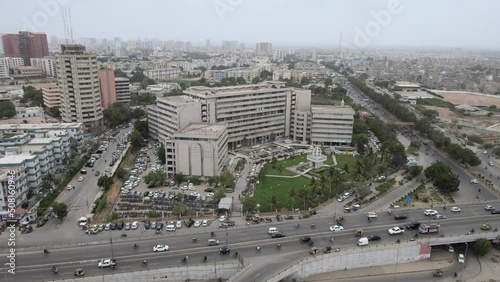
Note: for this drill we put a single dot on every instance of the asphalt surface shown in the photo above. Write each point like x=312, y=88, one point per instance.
x=78, y=200
x=35, y=265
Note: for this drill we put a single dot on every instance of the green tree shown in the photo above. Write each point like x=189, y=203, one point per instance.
x=105, y=182
x=305, y=81
x=293, y=195
x=7, y=109
x=120, y=172
x=179, y=178
x=142, y=127
x=55, y=112
x=328, y=82
x=138, y=113
x=227, y=178
x=256, y=80
x=482, y=247
x=60, y=209
x=116, y=115
x=249, y=204
x=360, y=141
x=219, y=194
x=160, y=152
x=273, y=202
x=155, y=178
x=180, y=209
x=135, y=140
x=279, y=168
x=120, y=73
x=335, y=177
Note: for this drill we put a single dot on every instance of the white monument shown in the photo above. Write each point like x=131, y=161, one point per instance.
x=316, y=157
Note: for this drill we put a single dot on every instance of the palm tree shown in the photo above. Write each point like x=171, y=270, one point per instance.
x=359, y=168
x=335, y=176
x=273, y=202
x=384, y=151
x=322, y=182
x=302, y=194
x=293, y=194
x=280, y=168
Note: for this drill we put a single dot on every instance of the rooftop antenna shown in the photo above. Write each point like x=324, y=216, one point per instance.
x=68, y=31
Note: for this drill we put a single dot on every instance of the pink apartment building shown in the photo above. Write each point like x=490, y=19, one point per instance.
x=107, y=86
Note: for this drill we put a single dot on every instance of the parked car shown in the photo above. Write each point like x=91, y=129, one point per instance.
x=450, y=248
x=461, y=258
x=197, y=223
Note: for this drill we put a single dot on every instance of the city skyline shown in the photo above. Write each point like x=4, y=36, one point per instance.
x=363, y=24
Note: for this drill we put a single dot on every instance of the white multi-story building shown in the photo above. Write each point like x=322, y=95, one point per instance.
x=122, y=89
x=51, y=96
x=170, y=114
x=331, y=125
x=247, y=74
x=18, y=176
x=163, y=74
x=46, y=64
x=255, y=113
x=78, y=82
x=74, y=130
x=26, y=112
x=4, y=68
x=197, y=149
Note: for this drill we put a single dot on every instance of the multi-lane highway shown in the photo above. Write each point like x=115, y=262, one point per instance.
x=35, y=264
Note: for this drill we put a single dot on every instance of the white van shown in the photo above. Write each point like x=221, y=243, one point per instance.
x=363, y=241
x=170, y=228
x=273, y=230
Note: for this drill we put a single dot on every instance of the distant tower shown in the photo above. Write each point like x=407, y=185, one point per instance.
x=313, y=55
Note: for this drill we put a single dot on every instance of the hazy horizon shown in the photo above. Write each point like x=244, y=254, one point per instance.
x=363, y=24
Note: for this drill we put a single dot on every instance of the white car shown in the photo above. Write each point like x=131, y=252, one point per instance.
x=222, y=218
x=178, y=224
x=127, y=226
x=455, y=209
x=69, y=187
x=204, y=223
x=372, y=215
x=106, y=263
x=396, y=230
x=461, y=258
x=196, y=194
x=450, y=248
x=197, y=223
x=135, y=224
x=80, y=179
x=430, y=212
x=474, y=181
x=160, y=248
x=334, y=228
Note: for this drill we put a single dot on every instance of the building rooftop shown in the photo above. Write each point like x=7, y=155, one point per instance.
x=32, y=148
x=332, y=109
x=37, y=126
x=16, y=159
x=208, y=91
x=5, y=171
x=121, y=79
x=405, y=84
x=178, y=100
x=202, y=129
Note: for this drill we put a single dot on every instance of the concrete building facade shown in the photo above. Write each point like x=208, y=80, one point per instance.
x=122, y=90
x=107, y=87
x=51, y=96
x=198, y=149
x=331, y=125
x=26, y=45
x=162, y=74
x=78, y=81
x=46, y=64
x=18, y=175
x=264, y=49
x=26, y=71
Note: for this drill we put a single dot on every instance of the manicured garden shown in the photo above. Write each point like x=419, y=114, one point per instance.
x=274, y=192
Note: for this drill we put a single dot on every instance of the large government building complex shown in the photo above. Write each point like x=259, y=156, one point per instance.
x=211, y=121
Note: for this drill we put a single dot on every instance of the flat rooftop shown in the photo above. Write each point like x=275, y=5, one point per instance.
x=16, y=159
x=203, y=91
x=405, y=84
x=202, y=130
x=8, y=125
x=332, y=109
x=415, y=94
x=178, y=100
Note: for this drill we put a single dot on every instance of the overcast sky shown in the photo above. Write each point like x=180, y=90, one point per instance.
x=443, y=23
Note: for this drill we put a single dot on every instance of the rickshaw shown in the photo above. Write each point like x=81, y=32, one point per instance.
x=359, y=233
x=438, y=273
x=486, y=226
x=313, y=250
x=327, y=250
x=79, y=272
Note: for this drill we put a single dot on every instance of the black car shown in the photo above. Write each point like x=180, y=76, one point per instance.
x=373, y=237
x=189, y=223
x=278, y=235
x=97, y=173
x=305, y=239
x=495, y=212
x=412, y=225
x=159, y=226
x=209, y=189
x=147, y=224
x=119, y=227
x=224, y=250
x=400, y=217
x=113, y=226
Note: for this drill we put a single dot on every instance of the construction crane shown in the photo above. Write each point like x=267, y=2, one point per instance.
x=68, y=30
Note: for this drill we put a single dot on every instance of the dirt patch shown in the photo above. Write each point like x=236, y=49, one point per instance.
x=452, y=120
x=471, y=99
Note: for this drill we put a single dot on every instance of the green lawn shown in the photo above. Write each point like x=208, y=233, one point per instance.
x=279, y=187
x=269, y=186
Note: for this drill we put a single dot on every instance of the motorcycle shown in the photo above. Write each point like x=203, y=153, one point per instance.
x=278, y=246
x=258, y=249
x=297, y=226
x=312, y=226
x=45, y=251
x=205, y=259
x=135, y=246
x=212, y=234
x=145, y=262
x=195, y=239
x=311, y=243
x=55, y=269
x=123, y=235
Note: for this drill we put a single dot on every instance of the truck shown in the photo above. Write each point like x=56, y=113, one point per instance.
x=429, y=228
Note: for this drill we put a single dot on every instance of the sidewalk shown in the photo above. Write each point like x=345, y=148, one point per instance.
x=385, y=270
